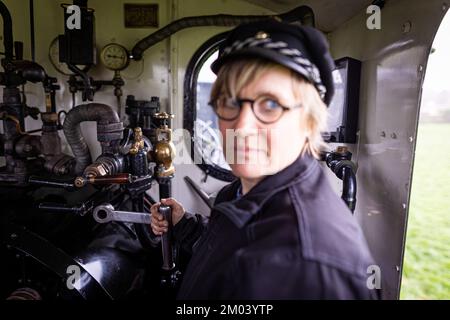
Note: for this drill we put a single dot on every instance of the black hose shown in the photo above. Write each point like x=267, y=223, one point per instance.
x=52, y=183
x=344, y=169
x=7, y=31
x=100, y=113
x=349, y=187
x=304, y=14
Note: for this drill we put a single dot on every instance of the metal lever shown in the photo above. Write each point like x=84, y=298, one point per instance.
x=81, y=209
x=53, y=183
x=202, y=194
x=105, y=213
x=166, y=239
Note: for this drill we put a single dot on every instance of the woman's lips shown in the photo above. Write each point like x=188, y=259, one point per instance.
x=247, y=154
x=247, y=150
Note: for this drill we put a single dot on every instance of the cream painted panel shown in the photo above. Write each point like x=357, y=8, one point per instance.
x=329, y=13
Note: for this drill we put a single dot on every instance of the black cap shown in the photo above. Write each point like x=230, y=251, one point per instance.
x=299, y=48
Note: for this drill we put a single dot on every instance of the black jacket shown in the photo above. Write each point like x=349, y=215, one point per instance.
x=289, y=237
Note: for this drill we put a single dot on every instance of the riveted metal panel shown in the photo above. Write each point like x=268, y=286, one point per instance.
x=393, y=67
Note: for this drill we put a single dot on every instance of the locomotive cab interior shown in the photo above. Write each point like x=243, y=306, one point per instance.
x=104, y=110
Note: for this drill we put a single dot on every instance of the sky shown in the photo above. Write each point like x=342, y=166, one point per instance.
x=436, y=87
x=206, y=75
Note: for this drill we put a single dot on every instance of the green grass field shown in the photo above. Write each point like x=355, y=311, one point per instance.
x=426, y=272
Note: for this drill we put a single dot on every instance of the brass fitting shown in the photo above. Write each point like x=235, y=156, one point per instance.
x=80, y=182
x=341, y=149
x=163, y=115
x=138, y=141
x=164, y=150
x=95, y=169
x=49, y=117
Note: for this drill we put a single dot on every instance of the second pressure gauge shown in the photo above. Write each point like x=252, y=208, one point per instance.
x=114, y=56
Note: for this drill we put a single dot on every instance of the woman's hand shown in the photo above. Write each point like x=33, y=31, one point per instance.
x=158, y=224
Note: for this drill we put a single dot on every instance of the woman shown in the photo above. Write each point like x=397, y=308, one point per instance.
x=278, y=231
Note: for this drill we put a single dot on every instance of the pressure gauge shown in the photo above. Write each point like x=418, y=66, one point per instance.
x=114, y=57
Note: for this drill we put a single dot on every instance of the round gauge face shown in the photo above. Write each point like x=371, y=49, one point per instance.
x=53, y=53
x=114, y=57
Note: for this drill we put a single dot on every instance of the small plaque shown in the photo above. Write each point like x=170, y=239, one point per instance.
x=141, y=15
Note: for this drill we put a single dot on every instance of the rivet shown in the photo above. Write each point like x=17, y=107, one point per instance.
x=411, y=139
x=404, y=205
x=406, y=27
x=397, y=268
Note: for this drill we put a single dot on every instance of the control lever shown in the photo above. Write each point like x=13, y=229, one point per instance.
x=203, y=195
x=53, y=183
x=166, y=239
x=121, y=178
x=105, y=213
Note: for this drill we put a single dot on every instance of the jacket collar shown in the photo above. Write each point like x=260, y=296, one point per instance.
x=241, y=210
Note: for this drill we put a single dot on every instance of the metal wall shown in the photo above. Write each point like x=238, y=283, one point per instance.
x=394, y=62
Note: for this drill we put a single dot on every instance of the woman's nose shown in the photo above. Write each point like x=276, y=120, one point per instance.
x=246, y=118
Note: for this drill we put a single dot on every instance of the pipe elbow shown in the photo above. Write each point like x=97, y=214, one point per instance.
x=109, y=129
x=349, y=187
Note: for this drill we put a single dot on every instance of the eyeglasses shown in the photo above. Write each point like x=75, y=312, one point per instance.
x=266, y=109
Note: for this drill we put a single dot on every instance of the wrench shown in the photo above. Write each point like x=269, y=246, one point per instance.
x=105, y=213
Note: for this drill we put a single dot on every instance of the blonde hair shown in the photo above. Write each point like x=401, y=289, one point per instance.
x=234, y=76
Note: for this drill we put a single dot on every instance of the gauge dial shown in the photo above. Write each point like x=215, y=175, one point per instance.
x=53, y=54
x=114, y=57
